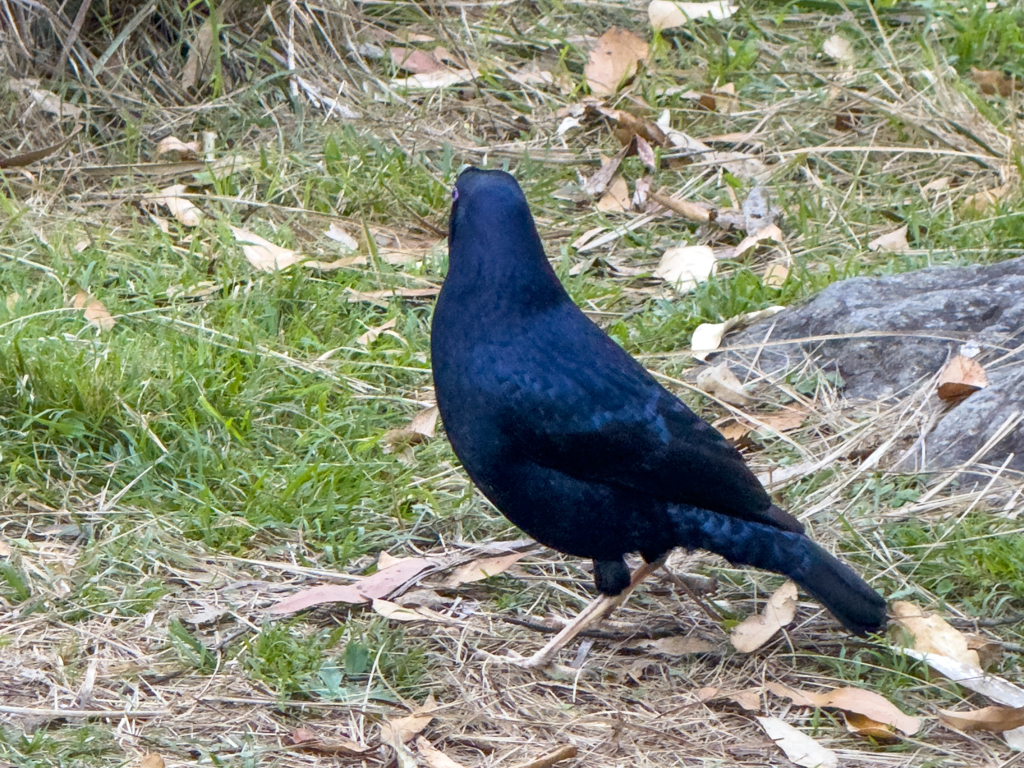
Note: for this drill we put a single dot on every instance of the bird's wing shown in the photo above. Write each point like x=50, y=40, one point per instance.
x=609, y=421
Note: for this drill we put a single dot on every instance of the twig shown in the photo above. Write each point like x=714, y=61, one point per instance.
x=75, y=713
x=560, y=754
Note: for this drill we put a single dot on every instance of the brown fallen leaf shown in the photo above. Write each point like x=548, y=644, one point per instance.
x=783, y=421
x=597, y=183
x=325, y=593
x=932, y=634
x=151, y=760
x=895, y=241
x=616, y=57
x=990, y=653
x=720, y=382
x=482, y=568
x=775, y=275
x=841, y=50
x=338, y=234
x=387, y=580
x=381, y=297
x=698, y=212
x=184, y=210
x=994, y=719
x=859, y=725
x=666, y=14
x=415, y=61
x=857, y=700
x=735, y=431
x=754, y=631
x=684, y=267
x=403, y=729
x=980, y=202
x=707, y=337
x=308, y=740
x=770, y=233
x=420, y=429
x=263, y=254
x=95, y=313
x=992, y=82
x=185, y=150
x=396, y=612
x=798, y=746
x=372, y=333
x=960, y=377
x=433, y=757
x=551, y=758
x=616, y=197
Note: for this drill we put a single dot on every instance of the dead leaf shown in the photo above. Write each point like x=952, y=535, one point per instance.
x=53, y=104
x=734, y=431
x=184, y=210
x=371, y=334
x=444, y=78
x=776, y=275
x=381, y=297
x=770, y=232
x=325, y=593
x=960, y=377
x=932, y=634
x=980, y=202
x=551, y=758
x=992, y=82
x=990, y=653
x=719, y=381
x=666, y=14
x=415, y=61
x=940, y=184
x=482, y=568
x=95, y=313
x=783, y=421
x=868, y=728
x=421, y=428
x=337, y=233
x=707, y=337
x=691, y=211
x=641, y=191
x=754, y=631
x=685, y=267
x=616, y=57
x=597, y=183
x=185, y=150
x=151, y=760
x=396, y=612
x=749, y=700
x=307, y=740
x=857, y=700
x=263, y=254
x=388, y=580
x=895, y=241
x=798, y=746
x=678, y=645
x=433, y=757
x=839, y=48
x=616, y=197
x=201, y=290
x=403, y=729
x=993, y=719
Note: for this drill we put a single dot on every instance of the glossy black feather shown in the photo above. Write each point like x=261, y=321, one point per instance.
x=566, y=433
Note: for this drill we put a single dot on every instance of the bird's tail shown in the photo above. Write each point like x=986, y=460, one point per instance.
x=834, y=584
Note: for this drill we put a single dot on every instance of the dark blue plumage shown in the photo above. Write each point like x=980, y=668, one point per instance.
x=574, y=441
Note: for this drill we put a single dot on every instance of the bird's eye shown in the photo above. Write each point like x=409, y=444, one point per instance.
x=455, y=193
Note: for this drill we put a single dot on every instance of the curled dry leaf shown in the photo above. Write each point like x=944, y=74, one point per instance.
x=992, y=719
x=666, y=14
x=719, y=381
x=151, y=760
x=707, y=337
x=839, y=48
x=895, y=241
x=263, y=254
x=687, y=266
x=483, y=568
x=691, y=211
x=415, y=61
x=597, y=183
x=170, y=144
x=754, y=631
x=309, y=741
x=388, y=580
x=868, y=728
x=798, y=746
x=616, y=57
x=181, y=208
x=95, y=313
x=433, y=757
x=403, y=729
x=381, y=584
x=992, y=82
x=858, y=700
x=980, y=202
x=337, y=233
x=768, y=233
x=932, y=634
x=372, y=333
x=960, y=377
x=396, y=612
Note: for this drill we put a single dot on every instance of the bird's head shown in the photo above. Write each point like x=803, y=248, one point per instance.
x=485, y=200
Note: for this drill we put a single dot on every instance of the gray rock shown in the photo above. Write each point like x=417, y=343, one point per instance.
x=887, y=334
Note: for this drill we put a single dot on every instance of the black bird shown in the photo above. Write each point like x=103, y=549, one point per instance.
x=574, y=441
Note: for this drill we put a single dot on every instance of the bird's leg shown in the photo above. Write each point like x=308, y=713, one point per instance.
x=592, y=613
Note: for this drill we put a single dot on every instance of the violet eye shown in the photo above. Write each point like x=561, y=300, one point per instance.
x=455, y=193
